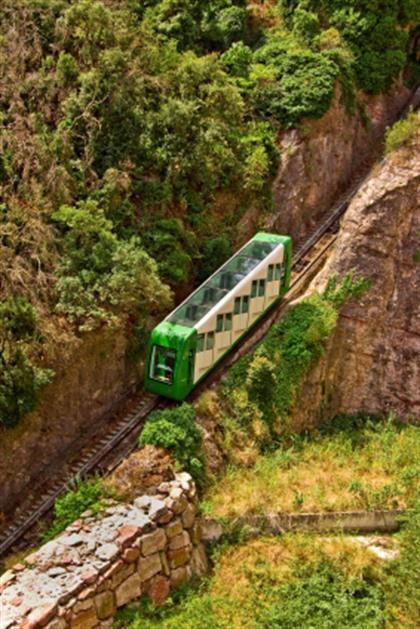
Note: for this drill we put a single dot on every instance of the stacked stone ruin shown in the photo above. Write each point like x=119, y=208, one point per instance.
x=102, y=562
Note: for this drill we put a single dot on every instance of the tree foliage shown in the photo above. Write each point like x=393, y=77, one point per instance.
x=135, y=135
x=176, y=430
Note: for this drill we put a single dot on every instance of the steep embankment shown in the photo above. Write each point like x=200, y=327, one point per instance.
x=320, y=160
x=373, y=357
x=96, y=372
x=91, y=379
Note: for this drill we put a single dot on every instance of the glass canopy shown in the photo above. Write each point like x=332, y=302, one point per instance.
x=222, y=282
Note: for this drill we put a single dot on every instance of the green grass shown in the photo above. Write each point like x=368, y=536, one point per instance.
x=67, y=508
x=295, y=581
x=352, y=463
x=402, y=132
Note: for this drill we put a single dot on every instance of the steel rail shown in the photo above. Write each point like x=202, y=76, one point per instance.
x=29, y=518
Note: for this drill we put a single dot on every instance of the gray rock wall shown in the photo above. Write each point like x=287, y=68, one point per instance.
x=100, y=563
x=372, y=362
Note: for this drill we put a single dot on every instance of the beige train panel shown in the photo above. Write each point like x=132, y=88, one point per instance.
x=204, y=360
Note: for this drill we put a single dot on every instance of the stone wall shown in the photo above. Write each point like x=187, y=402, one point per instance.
x=100, y=563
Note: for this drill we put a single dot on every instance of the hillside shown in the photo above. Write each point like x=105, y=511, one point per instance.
x=106, y=109
x=141, y=144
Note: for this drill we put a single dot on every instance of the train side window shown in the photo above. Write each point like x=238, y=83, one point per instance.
x=270, y=273
x=210, y=340
x=219, y=323
x=254, y=288
x=245, y=304
x=228, y=322
x=200, y=342
x=237, y=306
x=277, y=274
x=261, y=288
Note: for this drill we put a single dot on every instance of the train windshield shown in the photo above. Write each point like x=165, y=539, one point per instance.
x=162, y=364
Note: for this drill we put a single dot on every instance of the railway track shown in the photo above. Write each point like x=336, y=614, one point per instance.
x=107, y=452
x=101, y=456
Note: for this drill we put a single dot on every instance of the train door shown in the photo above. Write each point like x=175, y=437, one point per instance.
x=258, y=289
x=240, y=316
x=204, y=356
x=224, y=325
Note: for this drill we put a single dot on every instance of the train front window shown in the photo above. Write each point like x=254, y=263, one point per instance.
x=162, y=365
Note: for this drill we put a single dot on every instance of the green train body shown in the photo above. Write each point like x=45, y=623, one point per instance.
x=196, y=336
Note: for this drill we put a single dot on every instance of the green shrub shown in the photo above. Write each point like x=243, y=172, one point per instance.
x=102, y=275
x=67, y=69
x=271, y=376
x=237, y=59
x=402, y=132
x=173, y=247
x=403, y=574
x=320, y=595
x=302, y=86
x=175, y=430
x=67, y=508
x=18, y=318
x=20, y=384
x=305, y=24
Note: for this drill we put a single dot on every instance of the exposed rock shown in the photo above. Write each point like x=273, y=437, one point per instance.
x=149, y=566
x=179, y=557
x=174, y=528
x=159, y=589
x=153, y=542
x=199, y=561
x=211, y=530
x=105, y=605
x=128, y=590
x=188, y=516
x=131, y=554
x=40, y=616
x=372, y=362
x=80, y=578
x=122, y=575
x=107, y=551
x=84, y=620
x=64, y=417
x=180, y=541
x=142, y=472
x=179, y=576
x=336, y=146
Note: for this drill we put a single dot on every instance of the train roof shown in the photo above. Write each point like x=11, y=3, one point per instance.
x=224, y=280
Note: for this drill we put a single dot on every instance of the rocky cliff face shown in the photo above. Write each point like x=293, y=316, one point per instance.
x=372, y=361
x=93, y=376
x=319, y=160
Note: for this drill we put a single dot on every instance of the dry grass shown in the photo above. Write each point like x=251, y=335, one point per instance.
x=270, y=561
x=329, y=473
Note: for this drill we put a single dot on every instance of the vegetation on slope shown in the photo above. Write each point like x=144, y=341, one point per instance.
x=134, y=134
x=349, y=464
x=254, y=404
x=296, y=581
x=402, y=132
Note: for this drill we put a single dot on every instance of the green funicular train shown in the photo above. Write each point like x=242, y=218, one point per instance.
x=213, y=319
